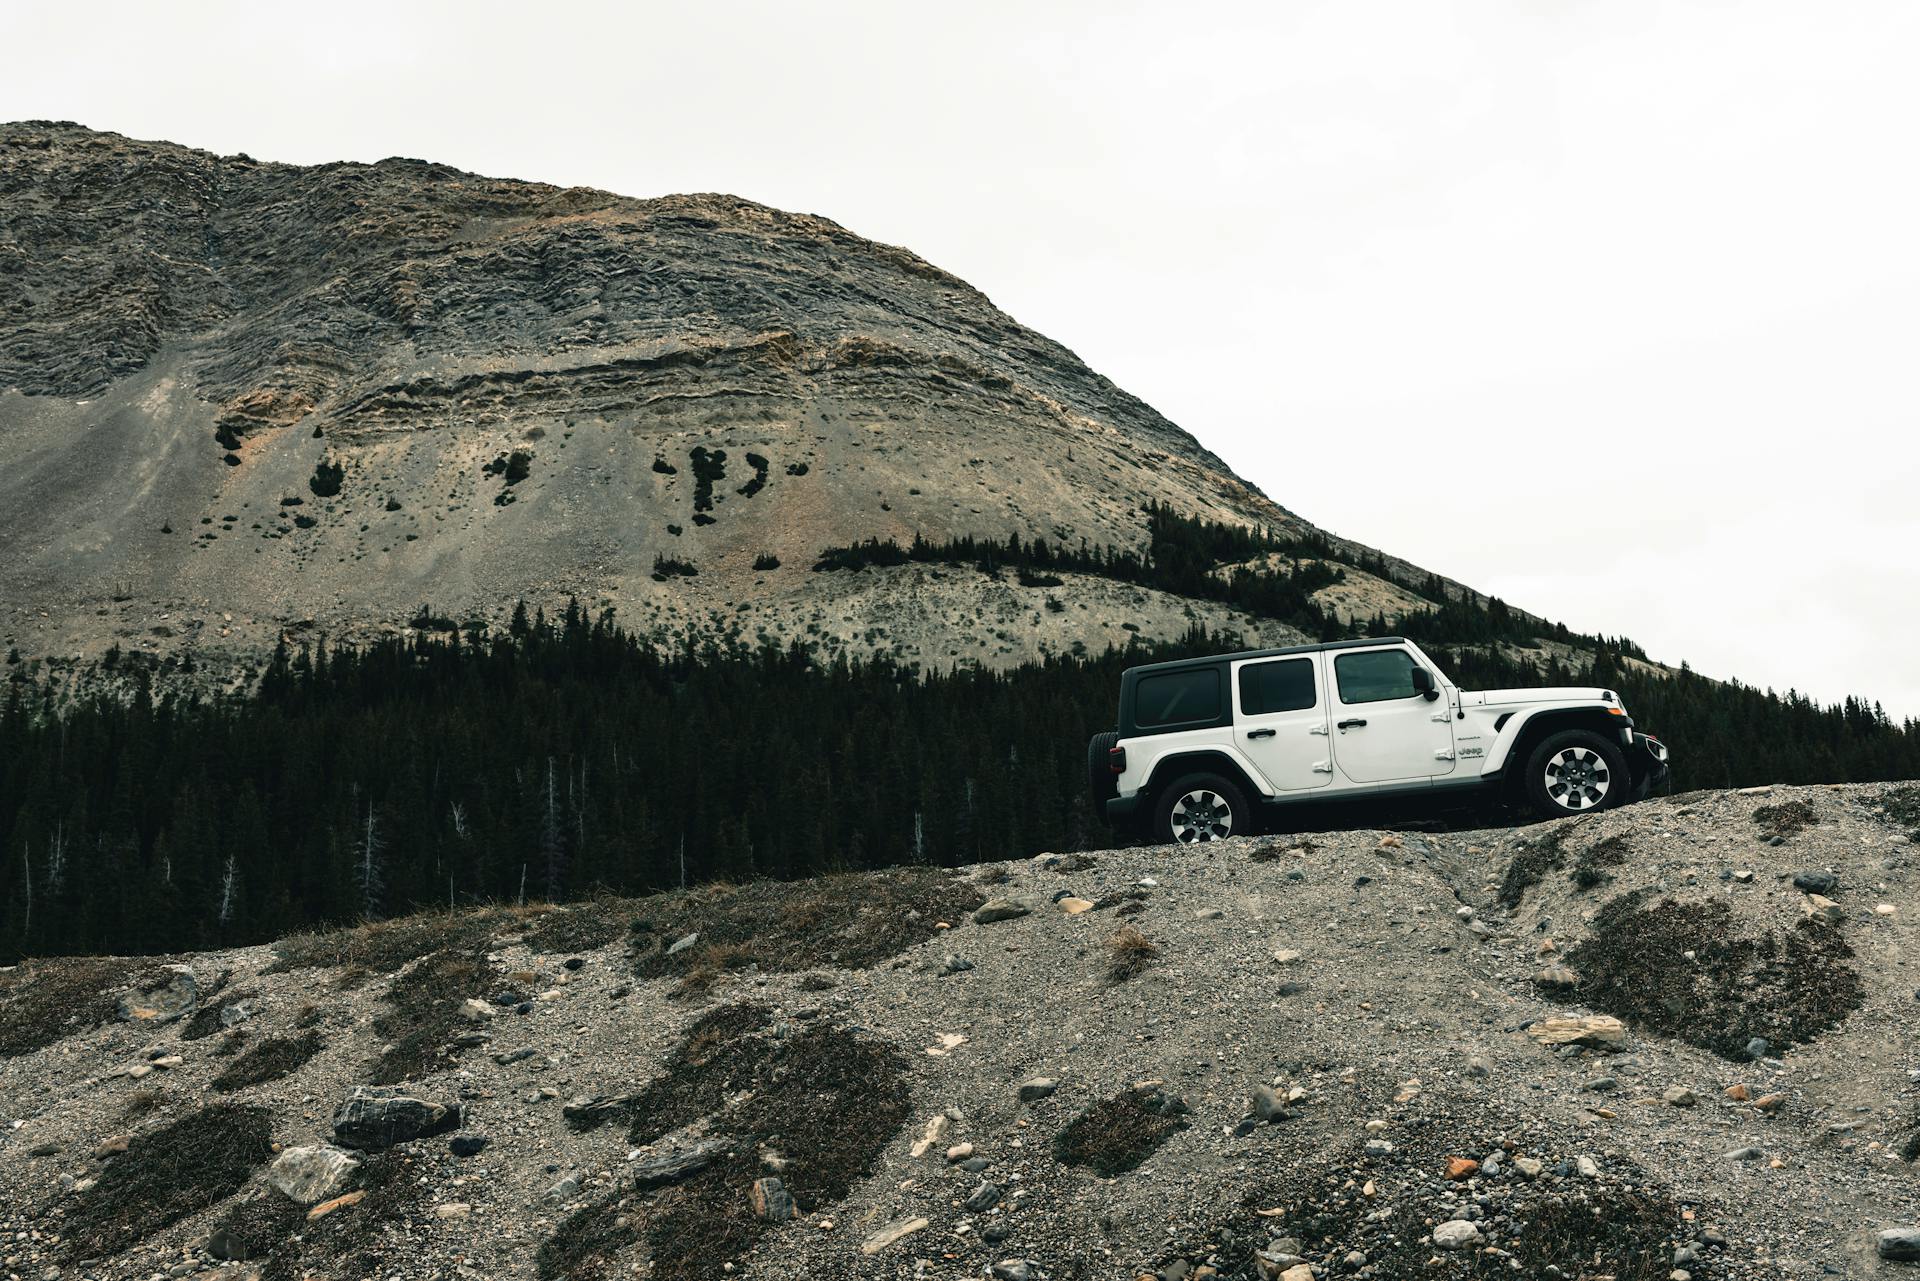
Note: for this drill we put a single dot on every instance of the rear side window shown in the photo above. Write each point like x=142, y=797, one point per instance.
x=1375, y=676
x=1177, y=698
x=1285, y=686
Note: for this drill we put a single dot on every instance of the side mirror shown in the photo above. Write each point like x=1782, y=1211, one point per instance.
x=1423, y=684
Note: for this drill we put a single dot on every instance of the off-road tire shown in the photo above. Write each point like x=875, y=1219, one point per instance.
x=1100, y=776
x=1578, y=764
x=1199, y=808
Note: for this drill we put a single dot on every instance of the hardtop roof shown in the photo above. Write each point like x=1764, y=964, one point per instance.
x=1284, y=651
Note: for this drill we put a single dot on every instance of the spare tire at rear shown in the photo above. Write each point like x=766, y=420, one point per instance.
x=1100, y=776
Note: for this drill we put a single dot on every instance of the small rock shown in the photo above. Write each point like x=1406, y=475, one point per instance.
x=1600, y=1084
x=671, y=1165
x=959, y=1152
x=1745, y=1154
x=1558, y=976
x=452, y=1210
x=1038, y=1088
x=1268, y=1105
x=895, y=1231
x=1738, y=1093
x=1757, y=1048
x=1012, y=1270
x=112, y=1147
x=510, y=1057
x=1598, y=1030
x=770, y=1200
x=1770, y=1102
x=565, y=1190
x=1821, y=908
x=1816, y=882
x=1900, y=1245
x=955, y=964
x=1588, y=1167
x=1460, y=1167
x=1073, y=906
x=475, y=1010
x=375, y=1117
x=682, y=943
x=1455, y=1234
x=984, y=1197
x=1679, y=1096
x=1286, y=956
x=340, y=1202
x=466, y=1145
x=1528, y=1166
x=315, y=1172
x=1000, y=909
x=1209, y=914
x=174, y=994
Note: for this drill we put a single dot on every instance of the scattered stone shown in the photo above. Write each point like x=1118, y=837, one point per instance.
x=1455, y=1234
x=935, y=1132
x=1757, y=1048
x=1745, y=1154
x=1012, y=1270
x=375, y=1117
x=1038, y=1088
x=1770, y=1102
x=1558, y=976
x=1209, y=914
x=1529, y=1167
x=1600, y=1084
x=110, y=1148
x=769, y=1200
x=1073, y=906
x=1900, y=1245
x=340, y=1202
x=1679, y=1096
x=174, y=994
x=565, y=1190
x=1000, y=909
x=510, y=1057
x=1822, y=908
x=1268, y=1104
x=1588, y=1167
x=984, y=1198
x=1286, y=956
x=959, y=1152
x=1816, y=882
x=1601, y=1031
x=452, y=1210
x=672, y=1165
x=475, y=1010
x=1460, y=1167
x=682, y=943
x=898, y=1230
x=1738, y=1093
x=315, y=1172
x=467, y=1145
x=955, y=964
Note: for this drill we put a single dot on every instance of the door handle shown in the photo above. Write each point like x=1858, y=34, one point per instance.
x=1261, y=733
x=1354, y=724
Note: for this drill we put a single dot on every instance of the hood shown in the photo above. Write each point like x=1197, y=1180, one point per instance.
x=1559, y=694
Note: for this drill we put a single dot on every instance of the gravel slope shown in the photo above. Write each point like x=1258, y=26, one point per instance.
x=1378, y=975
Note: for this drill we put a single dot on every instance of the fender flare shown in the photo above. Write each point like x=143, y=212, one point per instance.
x=1529, y=727
x=1211, y=760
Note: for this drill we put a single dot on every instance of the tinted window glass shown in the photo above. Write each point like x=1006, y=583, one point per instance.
x=1178, y=698
x=1374, y=677
x=1286, y=686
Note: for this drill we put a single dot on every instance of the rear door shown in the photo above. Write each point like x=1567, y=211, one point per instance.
x=1385, y=730
x=1280, y=720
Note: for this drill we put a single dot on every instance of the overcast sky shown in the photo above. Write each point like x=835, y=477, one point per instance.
x=1612, y=309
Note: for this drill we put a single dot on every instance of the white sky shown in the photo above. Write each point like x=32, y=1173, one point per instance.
x=1610, y=308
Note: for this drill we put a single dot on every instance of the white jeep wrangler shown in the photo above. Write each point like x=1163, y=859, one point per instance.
x=1209, y=747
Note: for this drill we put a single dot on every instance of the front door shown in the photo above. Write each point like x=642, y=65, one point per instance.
x=1385, y=730
x=1280, y=721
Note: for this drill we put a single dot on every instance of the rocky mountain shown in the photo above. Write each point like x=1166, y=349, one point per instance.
x=238, y=397
x=1666, y=1043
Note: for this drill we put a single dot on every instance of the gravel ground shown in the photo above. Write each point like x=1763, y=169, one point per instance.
x=1335, y=1028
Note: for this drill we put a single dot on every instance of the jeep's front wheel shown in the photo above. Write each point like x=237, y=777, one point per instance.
x=1200, y=807
x=1575, y=772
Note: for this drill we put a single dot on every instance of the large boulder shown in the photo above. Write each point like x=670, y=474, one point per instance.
x=312, y=1173
x=174, y=994
x=375, y=1117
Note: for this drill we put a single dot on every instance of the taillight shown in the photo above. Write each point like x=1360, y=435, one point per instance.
x=1117, y=759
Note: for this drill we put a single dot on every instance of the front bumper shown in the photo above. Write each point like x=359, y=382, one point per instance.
x=1647, y=763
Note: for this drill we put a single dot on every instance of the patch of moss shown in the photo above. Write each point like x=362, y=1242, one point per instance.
x=421, y=1014
x=1685, y=971
x=167, y=1174
x=1903, y=808
x=850, y=921
x=1786, y=819
x=42, y=1002
x=1115, y=1135
x=826, y=1099
x=270, y=1060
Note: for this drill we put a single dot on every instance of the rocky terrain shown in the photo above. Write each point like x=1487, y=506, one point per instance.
x=1673, y=1041
x=241, y=399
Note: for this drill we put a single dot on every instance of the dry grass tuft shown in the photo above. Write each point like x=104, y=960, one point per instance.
x=270, y=1060
x=166, y=1175
x=42, y=1002
x=1129, y=953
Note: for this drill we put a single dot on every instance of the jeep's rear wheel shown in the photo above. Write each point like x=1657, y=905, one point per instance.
x=1575, y=772
x=1200, y=807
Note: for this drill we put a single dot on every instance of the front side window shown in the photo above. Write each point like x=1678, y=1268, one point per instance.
x=1178, y=698
x=1285, y=686
x=1375, y=676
